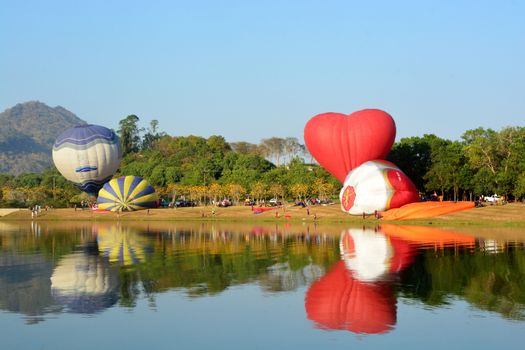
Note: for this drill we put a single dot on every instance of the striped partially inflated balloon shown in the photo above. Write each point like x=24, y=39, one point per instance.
x=121, y=245
x=87, y=155
x=127, y=193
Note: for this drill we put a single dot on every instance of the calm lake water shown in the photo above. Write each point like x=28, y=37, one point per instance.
x=223, y=286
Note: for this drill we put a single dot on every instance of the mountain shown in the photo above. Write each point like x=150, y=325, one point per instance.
x=27, y=133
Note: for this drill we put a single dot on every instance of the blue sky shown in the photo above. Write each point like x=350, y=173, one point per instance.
x=254, y=69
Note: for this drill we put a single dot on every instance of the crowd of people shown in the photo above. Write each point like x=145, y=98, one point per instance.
x=37, y=209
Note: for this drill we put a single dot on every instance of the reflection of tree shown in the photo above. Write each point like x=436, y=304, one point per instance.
x=54, y=245
x=281, y=277
x=493, y=282
x=25, y=285
x=26, y=265
x=204, y=260
x=210, y=263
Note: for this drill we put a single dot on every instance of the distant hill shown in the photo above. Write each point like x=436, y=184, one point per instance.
x=27, y=133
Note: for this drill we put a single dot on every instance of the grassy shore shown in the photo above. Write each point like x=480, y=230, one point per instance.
x=508, y=215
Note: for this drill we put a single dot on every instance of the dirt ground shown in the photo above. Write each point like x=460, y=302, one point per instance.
x=7, y=211
x=510, y=214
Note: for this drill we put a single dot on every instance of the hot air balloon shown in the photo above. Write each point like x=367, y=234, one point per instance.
x=338, y=301
x=84, y=283
x=127, y=193
x=425, y=210
x=341, y=142
x=376, y=185
x=372, y=256
x=121, y=245
x=87, y=155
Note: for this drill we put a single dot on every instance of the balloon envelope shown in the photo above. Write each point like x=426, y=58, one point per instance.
x=339, y=301
x=121, y=245
x=371, y=256
x=425, y=210
x=342, y=142
x=127, y=193
x=84, y=283
x=87, y=155
x=376, y=185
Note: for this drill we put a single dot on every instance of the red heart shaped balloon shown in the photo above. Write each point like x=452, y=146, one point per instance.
x=342, y=142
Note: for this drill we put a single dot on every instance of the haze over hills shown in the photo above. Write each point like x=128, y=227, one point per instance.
x=27, y=133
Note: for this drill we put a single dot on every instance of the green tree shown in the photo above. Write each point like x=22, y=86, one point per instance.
x=129, y=133
x=512, y=148
x=274, y=147
x=151, y=136
x=157, y=177
x=413, y=155
x=28, y=180
x=496, y=157
x=292, y=148
x=258, y=191
x=244, y=147
x=5, y=179
x=299, y=191
x=235, y=191
x=215, y=191
x=277, y=191
x=447, y=169
x=519, y=189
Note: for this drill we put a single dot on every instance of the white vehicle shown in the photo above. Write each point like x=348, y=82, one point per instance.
x=274, y=202
x=492, y=199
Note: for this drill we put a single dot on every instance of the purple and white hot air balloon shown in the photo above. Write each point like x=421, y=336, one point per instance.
x=87, y=155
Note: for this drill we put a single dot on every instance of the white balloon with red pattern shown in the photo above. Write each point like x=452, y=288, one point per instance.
x=376, y=186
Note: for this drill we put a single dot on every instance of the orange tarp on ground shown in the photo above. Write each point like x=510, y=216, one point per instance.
x=422, y=210
x=428, y=235
x=262, y=210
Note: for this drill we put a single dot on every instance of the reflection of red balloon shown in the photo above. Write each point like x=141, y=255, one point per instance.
x=342, y=142
x=403, y=256
x=338, y=301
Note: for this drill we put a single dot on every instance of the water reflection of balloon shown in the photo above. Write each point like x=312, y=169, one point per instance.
x=127, y=193
x=87, y=155
x=338, y=301
x=341, y=142
x=376, y=185
x=371, y=255
x=425, y=236
x=121, y=245
x=84, y=283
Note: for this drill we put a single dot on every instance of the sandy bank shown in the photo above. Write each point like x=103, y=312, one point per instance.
x=511, y=214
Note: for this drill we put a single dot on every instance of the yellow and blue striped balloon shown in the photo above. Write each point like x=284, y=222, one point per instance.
x=127, y=193
x=122, y=245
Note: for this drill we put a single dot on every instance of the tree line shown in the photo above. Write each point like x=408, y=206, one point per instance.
x=483, y=162
x=202, y=169
x=196, y=168
x=209, y=169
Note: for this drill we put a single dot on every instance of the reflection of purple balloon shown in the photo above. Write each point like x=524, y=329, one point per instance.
x=84, y=283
